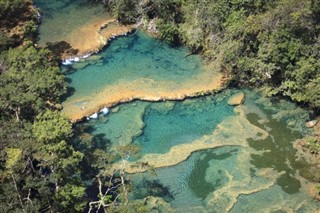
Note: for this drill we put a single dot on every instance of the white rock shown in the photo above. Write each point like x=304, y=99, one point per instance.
x=105, y=111
x=94, y=116
x=67, y=62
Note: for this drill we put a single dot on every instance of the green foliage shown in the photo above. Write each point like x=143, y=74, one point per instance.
x=126, y=11
x=29, y=82
x=30, y=30
x=269, y=43
x=5, y=42
x=275, y=44
x=266, y=43
x=71, y=197
x=11, y=8
x=18, y=21
x=13, y=156
x=318, y=188
x=168, y=32
x=51, y=126
x=313, y=145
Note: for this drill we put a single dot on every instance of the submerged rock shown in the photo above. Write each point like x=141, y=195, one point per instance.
x=236, y=99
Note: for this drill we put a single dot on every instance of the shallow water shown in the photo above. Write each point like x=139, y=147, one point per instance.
x=132, y=58
x=256, y=176
x=251, y=165
x=159, y=126
x=237, y=178
x=63, y=17
x=135, y=67
x=180, y=123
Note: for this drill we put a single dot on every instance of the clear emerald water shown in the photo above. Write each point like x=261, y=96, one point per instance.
x=230, y=171
x=137, y=56
x=209, y=180
x=185, y=122
x=156, y=127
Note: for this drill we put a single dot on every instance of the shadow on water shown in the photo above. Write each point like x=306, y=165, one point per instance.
x=91, y=145
x=280, y=153
x=60, y=48
x=70, y=90
x=85, y=139
x=151, y=188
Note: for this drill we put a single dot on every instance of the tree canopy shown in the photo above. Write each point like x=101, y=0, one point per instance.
x=49, y=164
x=274, y=44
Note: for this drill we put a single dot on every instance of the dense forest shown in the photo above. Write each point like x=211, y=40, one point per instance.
x=45, y=161
x=274, y=44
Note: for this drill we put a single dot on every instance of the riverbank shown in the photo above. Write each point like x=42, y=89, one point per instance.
x=93, y=36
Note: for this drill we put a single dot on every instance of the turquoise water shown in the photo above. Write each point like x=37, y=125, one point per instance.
x=157, y=127
x=187, y=184
x=131, y=58
x=182, y=123
x=61, y=17
x=265, y=172
x=255, y=176
x=210, y=179
x=120, y=127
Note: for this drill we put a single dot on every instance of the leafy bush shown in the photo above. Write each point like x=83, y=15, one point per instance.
x=313, y=145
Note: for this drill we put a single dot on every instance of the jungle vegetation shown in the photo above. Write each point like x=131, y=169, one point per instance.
x=47, y=164
x=273, y=44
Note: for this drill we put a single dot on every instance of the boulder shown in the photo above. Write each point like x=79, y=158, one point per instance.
x=236, y=99
x=311, y=124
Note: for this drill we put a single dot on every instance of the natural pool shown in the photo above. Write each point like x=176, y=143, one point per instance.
x=136, y=67
x=252, y=169
x=75, y=27
x=207, y=156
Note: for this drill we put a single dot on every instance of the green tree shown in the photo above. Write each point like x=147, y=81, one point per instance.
x=29, y=83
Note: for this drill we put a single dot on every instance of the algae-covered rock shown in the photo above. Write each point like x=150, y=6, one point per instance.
x=236, y=99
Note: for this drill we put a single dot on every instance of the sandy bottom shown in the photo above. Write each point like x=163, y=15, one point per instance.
x=83, y=29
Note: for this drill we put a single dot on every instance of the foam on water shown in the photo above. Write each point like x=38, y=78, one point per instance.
x=252, y=167
x=121, y=125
